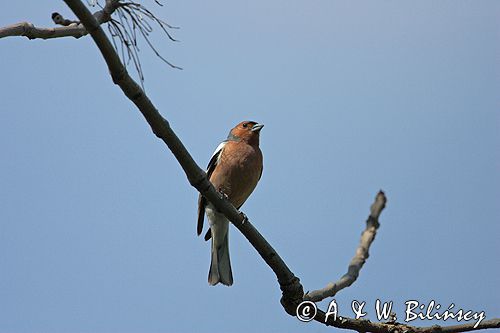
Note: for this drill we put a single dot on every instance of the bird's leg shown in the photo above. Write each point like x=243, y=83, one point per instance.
x=224, y=195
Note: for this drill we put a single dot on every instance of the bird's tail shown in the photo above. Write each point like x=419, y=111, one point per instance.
x=220, y=267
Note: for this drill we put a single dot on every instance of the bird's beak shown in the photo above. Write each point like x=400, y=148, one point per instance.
x=257, y=127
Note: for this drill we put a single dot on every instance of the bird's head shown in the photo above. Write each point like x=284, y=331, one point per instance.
x=247, y=131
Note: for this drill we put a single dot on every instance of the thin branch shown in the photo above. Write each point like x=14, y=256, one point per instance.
x=68, y=29
x=363, y=325
x=492, y=323
x=128, y=42
x=146, y=12
x=135, y=12
x=357, y=262
x=28, y=30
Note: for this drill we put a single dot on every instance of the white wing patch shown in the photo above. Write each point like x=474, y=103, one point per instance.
x=218, y=153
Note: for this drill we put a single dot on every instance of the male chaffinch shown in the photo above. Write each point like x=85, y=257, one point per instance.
x=234, y=169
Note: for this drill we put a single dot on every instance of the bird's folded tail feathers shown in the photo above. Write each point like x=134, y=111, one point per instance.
x=220, y=267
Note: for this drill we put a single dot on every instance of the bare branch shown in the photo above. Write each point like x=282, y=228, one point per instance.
x=28, y=30
x=492, y=323
x=363, y=325
x=69, y=28
x=357, y=262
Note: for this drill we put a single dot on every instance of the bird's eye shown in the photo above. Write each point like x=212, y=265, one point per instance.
x=245, y=125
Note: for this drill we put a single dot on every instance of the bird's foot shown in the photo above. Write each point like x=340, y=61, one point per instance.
x=224, y=195
x=245, y=218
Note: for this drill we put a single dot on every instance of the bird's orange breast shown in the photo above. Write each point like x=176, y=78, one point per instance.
x=238, y=171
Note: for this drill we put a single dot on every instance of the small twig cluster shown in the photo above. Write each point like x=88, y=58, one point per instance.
x=132, y=20
x=126, y=20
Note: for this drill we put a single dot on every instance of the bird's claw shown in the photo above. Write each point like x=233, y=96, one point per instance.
x=224, y=195
x=245, y=218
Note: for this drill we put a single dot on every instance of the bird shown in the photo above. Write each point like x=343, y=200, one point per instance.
x=234, y=169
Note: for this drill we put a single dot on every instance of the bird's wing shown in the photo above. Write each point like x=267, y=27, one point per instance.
x=202, y=202
x=201, y=213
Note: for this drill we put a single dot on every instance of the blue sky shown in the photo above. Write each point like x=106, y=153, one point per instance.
x=98, y=221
